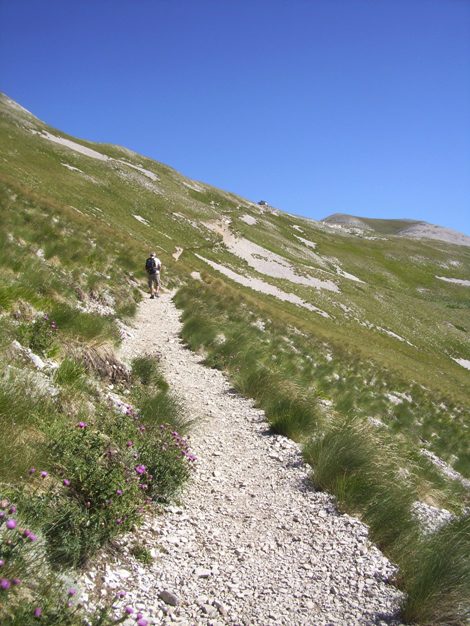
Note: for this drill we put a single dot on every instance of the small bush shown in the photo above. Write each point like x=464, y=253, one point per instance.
x=102, y=494
x=40, y=336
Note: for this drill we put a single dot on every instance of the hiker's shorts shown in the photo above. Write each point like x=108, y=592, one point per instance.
x=154, y=279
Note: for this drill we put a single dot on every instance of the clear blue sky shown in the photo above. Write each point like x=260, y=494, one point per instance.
x=317, y=106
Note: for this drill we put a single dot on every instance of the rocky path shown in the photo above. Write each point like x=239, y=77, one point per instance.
x=251, y=542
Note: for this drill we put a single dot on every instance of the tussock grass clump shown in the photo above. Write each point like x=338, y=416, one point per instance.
x=71, y=374
x=98, y=358
x=352, y=461
x=22, y=410
x=158, y=407
x=85, y=326
x=145, y=371
x=436, y=576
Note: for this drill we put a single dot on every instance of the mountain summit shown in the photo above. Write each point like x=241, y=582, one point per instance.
x=403, y=228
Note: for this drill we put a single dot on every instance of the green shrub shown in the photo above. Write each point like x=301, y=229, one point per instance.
x=102, y=494
x=167, y=459
x=40, y=336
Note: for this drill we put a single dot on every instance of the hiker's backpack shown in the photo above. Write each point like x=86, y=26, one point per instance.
x=150, y=265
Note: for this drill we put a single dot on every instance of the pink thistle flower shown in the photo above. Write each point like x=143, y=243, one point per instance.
x=119, y=521
x=15, y=581
x=82, y=425
x=66, y=482
x=32, y=537
x=32, y=470
x=11, y=524
x=140, y=469
x=129, y=610
x=44, y=474
x=12, y=509
x=142, y=622
x=2, y=562
x=120, y=594
x=72, y=591
x=37, y=612
x=119, y=492
x=129, y=444
x=2, y=514
x=4, y=584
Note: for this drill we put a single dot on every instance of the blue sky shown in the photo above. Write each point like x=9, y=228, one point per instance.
x=317, y=106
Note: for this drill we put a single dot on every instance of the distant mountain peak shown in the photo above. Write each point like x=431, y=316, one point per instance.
x=416, y=229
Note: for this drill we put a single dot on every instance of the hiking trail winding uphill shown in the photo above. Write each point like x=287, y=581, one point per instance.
x=251, y=542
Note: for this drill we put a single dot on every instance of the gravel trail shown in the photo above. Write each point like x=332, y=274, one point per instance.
x=251, y=542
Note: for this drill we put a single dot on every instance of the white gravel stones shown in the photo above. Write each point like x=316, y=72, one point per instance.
x=251, y=542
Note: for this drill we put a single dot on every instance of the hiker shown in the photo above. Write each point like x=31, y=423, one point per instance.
x=153, y=267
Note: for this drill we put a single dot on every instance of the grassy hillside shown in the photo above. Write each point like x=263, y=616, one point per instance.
x=341, y=336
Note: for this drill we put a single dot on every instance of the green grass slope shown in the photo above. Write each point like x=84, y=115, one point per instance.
x=95, y=223
x=330, y=329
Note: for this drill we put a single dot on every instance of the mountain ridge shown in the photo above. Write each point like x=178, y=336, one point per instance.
x=416, y=228
x=404, y=227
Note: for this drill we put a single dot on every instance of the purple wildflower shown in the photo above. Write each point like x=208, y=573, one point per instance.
x=119, y=492
x=66, y=482
x=32, y=470
x=142, y=622
x=2, y=562
x=120, y=594
x=44, y=474
x=12, y=509
x=15, y=581
x=82, y=425
x=2, y=514
x=129, y=610
x=119, y=521
x=32, y=537
x=140, y=469
x=4, y=583
x=11, y=524
x=72, y=591
x=37, y=611
x=129, y=444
